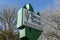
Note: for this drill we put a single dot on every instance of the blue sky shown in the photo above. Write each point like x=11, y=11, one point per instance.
x=37, y=4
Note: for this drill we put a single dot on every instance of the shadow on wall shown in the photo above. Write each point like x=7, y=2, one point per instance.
x=25, y=38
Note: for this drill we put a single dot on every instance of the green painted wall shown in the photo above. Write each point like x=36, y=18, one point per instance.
x=32, y=34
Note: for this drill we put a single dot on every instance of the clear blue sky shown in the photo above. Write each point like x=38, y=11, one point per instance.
x=37, y=4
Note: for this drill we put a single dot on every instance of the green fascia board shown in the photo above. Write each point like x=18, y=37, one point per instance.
x=21, y=27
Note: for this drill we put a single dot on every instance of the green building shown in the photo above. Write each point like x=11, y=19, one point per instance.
x=28, y=31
